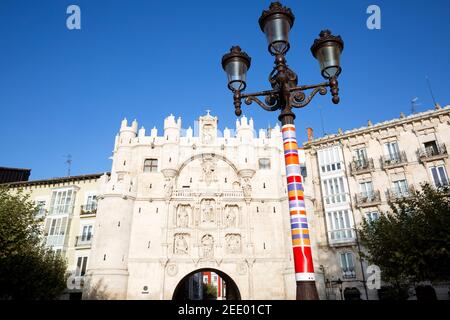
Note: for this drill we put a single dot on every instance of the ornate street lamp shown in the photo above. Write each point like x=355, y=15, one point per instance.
x=285, y=95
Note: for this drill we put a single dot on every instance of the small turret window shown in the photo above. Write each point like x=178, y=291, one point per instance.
x=150, y=165
x=264, y=164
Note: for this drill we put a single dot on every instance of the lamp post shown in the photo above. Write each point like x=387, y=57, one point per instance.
x=276, y=23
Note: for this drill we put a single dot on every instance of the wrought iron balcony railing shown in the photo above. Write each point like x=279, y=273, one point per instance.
x=349, y=273
x=368, y=198
x=393, y=160
x=361, y=166
x=393, y=194
x=436, y=151
x=90, y=208
x=84, y=240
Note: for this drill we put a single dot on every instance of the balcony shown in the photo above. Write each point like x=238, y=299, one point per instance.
x=394, y=194
x=366, y=199
x=88, y=209
x=393, y=160
x=349, y=273
x=435, y=152
x=341, y=236
x=189, y=193
x=83, y=241
x=361, y=166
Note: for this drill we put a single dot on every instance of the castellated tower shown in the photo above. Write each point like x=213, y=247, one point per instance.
x=185, y=201
x=108, y=272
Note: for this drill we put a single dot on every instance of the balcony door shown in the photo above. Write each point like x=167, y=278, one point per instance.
x=361, y=157
x=392, y=151
x=366, y=189
x=400, y=187
x=87, y=233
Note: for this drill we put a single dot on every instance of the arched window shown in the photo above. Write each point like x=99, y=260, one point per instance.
x=150, y=165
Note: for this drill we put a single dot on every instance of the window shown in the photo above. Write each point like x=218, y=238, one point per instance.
x=360, y=157
x=372, y=216
x=334, y=190
x=81, y=266
x=431, y=148
x=91, y=202
x=400, y=188
x=55, y=230
x=41, y=208
x=366, y=189
x=339, y=226
x=303, y=171
x=264, y=164
x=347, y=265
x=150, y=165
x=330, y=159
x=439, y=176
x=86, y=234
x=61, y=202
x=392, y=151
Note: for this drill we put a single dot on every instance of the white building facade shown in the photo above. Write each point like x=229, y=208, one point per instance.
x=179, y=203
x=354, y=175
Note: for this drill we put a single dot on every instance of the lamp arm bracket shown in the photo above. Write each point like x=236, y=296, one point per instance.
x=271, y=101
x=299, y=100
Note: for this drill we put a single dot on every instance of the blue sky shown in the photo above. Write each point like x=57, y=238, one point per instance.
x=65, y=91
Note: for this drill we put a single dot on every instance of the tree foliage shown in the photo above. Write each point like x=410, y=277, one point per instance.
x=411, y=243
x=28, y=270
x=209, y=291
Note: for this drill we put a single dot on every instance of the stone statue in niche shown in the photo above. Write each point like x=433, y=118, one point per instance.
x=207, y=246
x=247, y=187
x=231, y=214
x=168, y=188
x=208, y=170
x=207, y=134
x=182, y=216
x=233, y=243
x=208, y=211
x=181, y=245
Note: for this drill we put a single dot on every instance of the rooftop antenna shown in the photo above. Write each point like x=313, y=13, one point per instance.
x=414, y=104
x=321, y=121
x=69, y=164
x=431, y=91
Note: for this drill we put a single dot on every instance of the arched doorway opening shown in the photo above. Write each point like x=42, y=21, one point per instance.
x=206, y=284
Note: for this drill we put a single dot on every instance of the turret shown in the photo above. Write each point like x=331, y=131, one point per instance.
x=127, y=133
x=246, y=147
x=170, y=148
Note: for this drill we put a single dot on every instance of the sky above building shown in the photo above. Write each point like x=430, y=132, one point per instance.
x=65, y=91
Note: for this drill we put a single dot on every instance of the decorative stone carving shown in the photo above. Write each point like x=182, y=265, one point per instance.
x=241, y=268
x=168, y=189
x=247, y=187
x=231, y=214
x=233, y=243
x=207, y=134
x=183, y=216
x=207, y=246
x=209, y=166
x=180, y=244
x=208, y=212
x=172, y=269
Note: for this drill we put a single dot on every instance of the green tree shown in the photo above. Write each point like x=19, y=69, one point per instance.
x=28, y=270
x=209, y=291
x=411, y=243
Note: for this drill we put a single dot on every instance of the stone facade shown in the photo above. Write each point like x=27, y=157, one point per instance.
x=180, y=202
x=199, y=199
x=355, y=173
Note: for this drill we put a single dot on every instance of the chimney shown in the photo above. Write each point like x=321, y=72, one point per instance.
x=310, y=134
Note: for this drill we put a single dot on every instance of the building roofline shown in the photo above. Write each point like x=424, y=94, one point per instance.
x=377, y=126
x=15, y=169
x=54, y=180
